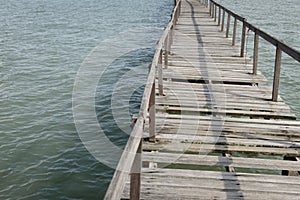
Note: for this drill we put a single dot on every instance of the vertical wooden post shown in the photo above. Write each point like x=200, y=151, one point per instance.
x=234, y=31
x=228, y=26
x=215, y=12
x=276, y=74
x=212, y=9
x=243, y=39
x=152, y=114
x=135, y=176
x=223, y=20
x=170, y=39
x=166, y=51
x=255, y=53
x=160, y=75
x=179, y=9
x=219, y=17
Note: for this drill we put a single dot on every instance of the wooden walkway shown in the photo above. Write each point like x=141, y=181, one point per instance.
x=218, y=134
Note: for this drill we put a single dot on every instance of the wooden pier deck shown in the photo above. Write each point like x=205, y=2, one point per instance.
x=208, y=127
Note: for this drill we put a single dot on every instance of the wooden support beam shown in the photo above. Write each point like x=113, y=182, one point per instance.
x=166, y=51
x=135, y=176
x=276, y=74
x=212, y=10
x=255, y=53
x=152, y=114
x=243, y=39
x=215, y=12
x=228, y=26
x=160, y=75
x=219, y=17
x=223, y=21
x=234, y=32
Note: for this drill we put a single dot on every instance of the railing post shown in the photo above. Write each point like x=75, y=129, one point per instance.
x=234, y=31
x=255, y=53
x=179, y=9
x=160, y=75
x=166, y=51
x=215, y=12
x=135, y=176
x=276, y=74
x=219, y=17
x=243, y=39
x=171, y=34
x=212, y=10
x=152, y=114
x=228, y=26
x=223, y=21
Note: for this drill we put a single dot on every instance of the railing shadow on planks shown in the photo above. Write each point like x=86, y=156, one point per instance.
x=280, y=47
x=130, y=161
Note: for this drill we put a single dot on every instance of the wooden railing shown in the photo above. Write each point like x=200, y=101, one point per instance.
x=280, y=47
x=130, y=161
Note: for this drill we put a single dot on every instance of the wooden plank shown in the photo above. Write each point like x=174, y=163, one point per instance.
x=195, y=111
x=229, y=119
x=235, y=130
x=222, y=104
x=220, y=181
x=217, y=175
x=213, y=137
x=206, y=160
x=212, y=184
x=210, y=148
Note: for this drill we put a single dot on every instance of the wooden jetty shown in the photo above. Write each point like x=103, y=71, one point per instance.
x=208, y=127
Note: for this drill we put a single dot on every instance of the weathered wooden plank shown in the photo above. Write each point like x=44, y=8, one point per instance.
x=221, y=181
x=218, y=175
x=206, y=160
x=224, y=105
x=214, y=137
x=195, y=111
x=235, y=130
x=172, y=188
x=291, y=123
x=211, y=148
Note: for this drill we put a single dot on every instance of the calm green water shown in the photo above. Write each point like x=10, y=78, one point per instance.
x=43, y=44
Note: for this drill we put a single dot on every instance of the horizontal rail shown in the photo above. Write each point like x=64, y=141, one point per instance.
x=119, y=179
x=129, y=158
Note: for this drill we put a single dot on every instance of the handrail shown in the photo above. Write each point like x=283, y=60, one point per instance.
x=285, y=48
x=280, y=46
x=130, y=160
